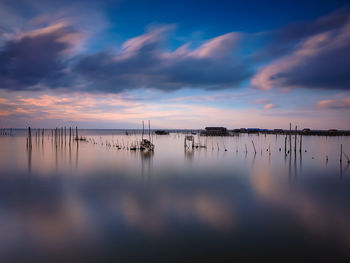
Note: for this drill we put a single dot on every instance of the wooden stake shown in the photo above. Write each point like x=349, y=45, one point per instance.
x=254, y=146
x=347, y=157
x=285, y=145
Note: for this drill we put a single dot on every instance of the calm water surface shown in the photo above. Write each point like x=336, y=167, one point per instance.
x=83, y=202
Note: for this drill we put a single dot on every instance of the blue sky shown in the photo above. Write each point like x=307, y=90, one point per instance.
x=182, y=64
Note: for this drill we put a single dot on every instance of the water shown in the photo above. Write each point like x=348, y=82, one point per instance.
x=86, y=201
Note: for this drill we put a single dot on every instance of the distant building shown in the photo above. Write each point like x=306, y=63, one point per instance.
x=278, y=131
x=306, y=130
x=215, y=131
x=332, y=130
x=161, y=132
x=253, y=130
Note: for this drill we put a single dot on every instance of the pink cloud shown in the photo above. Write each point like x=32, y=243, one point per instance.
x=152, y=37
x=115, y=109
x=217, y=47
x=334, y=104
x=270, y=106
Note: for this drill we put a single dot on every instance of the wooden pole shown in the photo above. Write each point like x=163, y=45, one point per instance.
x=295, y=140
x=76, y=133
x=347, y=157
x=254, y=146
x=301, y=143
x=285, y=145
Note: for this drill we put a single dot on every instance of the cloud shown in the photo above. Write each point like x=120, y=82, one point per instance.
x=283, y=40
x=205, y=98
x=50, y=57
x=270, y=106
x=48, y=54
x=260, y=101
x=266, y=102
x=334, y=104
x=143, y=62
x=51, y=109
x=319, y=61
x=37, y=57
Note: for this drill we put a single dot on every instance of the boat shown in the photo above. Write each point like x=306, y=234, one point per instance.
x=146, y=145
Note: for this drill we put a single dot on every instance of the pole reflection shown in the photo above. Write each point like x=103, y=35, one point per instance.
x=146, y=164
x=29, y=158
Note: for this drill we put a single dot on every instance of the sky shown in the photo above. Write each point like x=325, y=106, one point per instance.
x=180, y=64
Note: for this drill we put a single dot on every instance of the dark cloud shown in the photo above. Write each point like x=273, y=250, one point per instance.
x=281, y=41
x=38, y=60
x=329, y=69
x=144, y=63
x=307, y=55
x=298, y=31
x=320, y=60
x=36, y=57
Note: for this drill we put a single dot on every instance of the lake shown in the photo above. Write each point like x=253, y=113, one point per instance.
x=84, y=201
